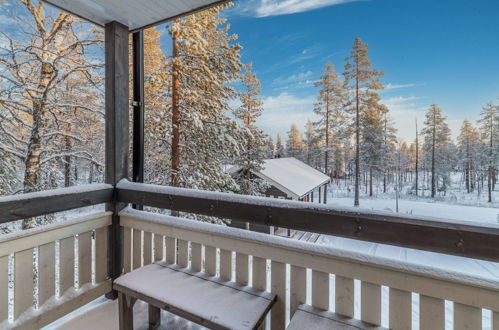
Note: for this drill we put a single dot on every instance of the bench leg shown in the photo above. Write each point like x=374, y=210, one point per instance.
x=154, y=317
x=125, y=311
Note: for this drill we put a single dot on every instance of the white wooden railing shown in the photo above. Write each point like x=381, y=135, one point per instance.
x=49, y=271
x=262, y=261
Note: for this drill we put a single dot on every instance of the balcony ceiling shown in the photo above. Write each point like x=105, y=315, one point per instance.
x=132, y=13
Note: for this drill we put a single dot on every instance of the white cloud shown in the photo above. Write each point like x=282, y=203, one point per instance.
x=283, y=110
x=264, y=8
x=298, y=77
x=391, y=86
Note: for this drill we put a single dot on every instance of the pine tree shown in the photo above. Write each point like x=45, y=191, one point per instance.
x=468, y=146
x=294, y=144
x=375, y=139
x=363, y=82
x=279, y=147
x=251, y=158
x=437, y=146
x=270, y=148
x=331, y=100
x=311, y=144
x=416, y=158
x=205, y=60
x=489, y=127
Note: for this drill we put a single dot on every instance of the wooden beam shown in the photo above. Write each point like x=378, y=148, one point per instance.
x=117, y=121
x=437, y=235
x=46, y=202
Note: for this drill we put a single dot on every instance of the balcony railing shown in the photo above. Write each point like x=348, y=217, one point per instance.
x=71, y=259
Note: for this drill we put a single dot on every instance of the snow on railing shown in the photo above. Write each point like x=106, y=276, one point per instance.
x=313, y=274
x=49, y=271
x=34, y=204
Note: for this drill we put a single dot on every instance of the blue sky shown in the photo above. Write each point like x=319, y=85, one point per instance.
x=440, y=51
x=444, y=52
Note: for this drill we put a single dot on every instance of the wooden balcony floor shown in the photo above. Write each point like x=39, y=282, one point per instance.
x=102, y=314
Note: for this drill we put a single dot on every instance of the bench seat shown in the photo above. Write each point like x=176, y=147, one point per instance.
x=308, y=317
x=197, y=297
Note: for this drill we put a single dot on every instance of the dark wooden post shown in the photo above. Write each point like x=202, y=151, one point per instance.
x=320, y=195
x=116, y=54
x=138, y=109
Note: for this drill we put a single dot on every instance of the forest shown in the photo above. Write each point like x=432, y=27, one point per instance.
x=52, y=113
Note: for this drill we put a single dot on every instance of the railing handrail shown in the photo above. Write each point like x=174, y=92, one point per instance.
x=35, y=204
x=459, y=238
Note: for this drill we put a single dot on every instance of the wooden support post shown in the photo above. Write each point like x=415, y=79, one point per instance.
x=138, y=109
x=116, y=129
x=154, y=317
x=125, y=306
x=320, y=195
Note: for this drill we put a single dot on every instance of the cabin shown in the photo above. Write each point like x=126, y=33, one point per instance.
x=157, y=270
x=289, y=178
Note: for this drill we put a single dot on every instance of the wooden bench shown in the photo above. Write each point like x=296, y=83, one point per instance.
x=308, y=317
x=197, y=297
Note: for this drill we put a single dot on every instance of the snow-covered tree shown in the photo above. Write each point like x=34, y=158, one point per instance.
x=279, y=147
x=330, y=102
x=205, y=60
x=469, y=147
x=269, y=148
x=438, y=148
x=294, y=144
x=362, y=82
x=489, y=127
x=312, y=145
x=253, y=152
x=49, y=86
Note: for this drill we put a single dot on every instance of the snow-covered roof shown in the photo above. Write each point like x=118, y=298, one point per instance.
x=132, y=13
x=290, y=175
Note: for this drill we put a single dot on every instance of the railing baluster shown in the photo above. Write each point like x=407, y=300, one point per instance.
x=84, y=258
x=320, y=290
x=344, y=288
x=370, y=303
x=23, y=281
x=158, y=247
x=467, y=317
x=128, y=249
x=278, y=287
x=171, y=250
x=101, y=253
x=259, y=273
x=147, y=248
x=46, y=272
x=225, y=264
x=196, y=256
x=242, y=271
x=400, y=306
x=298, y=288
x=66, y=264
x=4, y=280
x=210, y=260
x=183, y=253
x=137, y=249
x=431, y=313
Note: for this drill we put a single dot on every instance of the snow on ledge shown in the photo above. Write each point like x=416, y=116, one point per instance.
x=317, y=249
x=57, y=192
